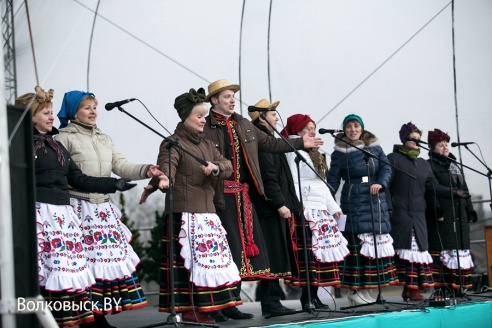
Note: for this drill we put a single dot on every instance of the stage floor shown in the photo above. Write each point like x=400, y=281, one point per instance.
x=150, y=317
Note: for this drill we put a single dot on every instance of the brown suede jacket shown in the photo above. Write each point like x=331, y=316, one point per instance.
x=192, y=189
x=252, y=140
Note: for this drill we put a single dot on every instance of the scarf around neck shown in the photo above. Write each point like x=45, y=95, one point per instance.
x=40, y=141
x=411, y=153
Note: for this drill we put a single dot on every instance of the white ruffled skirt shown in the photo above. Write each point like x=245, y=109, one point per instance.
x=106, y=240
x=450, y=260
x=384, y=244
x=328, y=243
x=62, y=264
x=205, y=251
x=414, y=255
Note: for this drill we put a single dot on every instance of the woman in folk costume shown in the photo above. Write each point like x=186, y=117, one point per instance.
x=406, y=204
x=326, y=244
x=112, y=259
x=441, y=218
x=359, y=190
x=205, y=274
x=63, y=270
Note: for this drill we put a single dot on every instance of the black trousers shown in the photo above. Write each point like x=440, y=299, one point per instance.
x=270, y=294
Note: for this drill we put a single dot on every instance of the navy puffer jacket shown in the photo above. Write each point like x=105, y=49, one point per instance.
x=348, y=163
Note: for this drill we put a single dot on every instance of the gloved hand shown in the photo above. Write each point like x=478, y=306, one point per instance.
x=472, y=217
x=123, y=184
x=390, y=213
x=461, y=194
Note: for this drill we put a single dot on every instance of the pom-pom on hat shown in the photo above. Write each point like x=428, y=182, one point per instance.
x=436, y=136
x=295, y=123
x=406, y=129
x=262, y=104
x=352, y=117
x=185, y=102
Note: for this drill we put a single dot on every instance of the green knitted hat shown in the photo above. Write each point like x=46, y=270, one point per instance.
x=353, y=117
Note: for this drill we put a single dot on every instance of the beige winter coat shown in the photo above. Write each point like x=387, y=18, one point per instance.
x=96, y=155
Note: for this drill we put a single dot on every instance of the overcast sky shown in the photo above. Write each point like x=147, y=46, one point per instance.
x=388, y=61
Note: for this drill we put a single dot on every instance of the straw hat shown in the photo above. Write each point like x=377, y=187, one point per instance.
x=220, y=85
x=262, y=104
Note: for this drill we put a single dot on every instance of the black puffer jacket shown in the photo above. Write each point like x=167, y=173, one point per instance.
x=52, y=178
x=441, y=233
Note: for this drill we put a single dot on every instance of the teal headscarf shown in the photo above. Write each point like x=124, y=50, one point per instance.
x=70, y=105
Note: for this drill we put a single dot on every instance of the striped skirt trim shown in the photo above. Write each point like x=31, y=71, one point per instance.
x=69, y=309
x=446, y=277
x=118, y=295
x=360, y=271
x=414, y=275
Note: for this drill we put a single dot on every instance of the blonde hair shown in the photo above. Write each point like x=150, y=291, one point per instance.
x=319, y=162
x=200, y=108
x=86, y=100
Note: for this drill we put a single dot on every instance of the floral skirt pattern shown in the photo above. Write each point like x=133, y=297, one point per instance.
x=187, y=296
x=110, y=257
x=62, y=264
x=206, y=252
x=331, y=248
x=106, y=240
x=328, y=243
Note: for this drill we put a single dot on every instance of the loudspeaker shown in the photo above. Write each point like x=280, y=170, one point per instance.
x=23, y=208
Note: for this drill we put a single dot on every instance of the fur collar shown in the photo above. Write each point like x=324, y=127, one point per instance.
x=367, y=139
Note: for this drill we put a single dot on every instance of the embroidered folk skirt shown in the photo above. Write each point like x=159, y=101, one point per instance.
x=64, y=274
x=326, y=247
x=110, y=257
x=445, y=268
x=359, y=269
x=205, y=276
x=414, y=267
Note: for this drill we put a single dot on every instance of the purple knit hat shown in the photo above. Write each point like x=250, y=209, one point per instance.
x=406, y=129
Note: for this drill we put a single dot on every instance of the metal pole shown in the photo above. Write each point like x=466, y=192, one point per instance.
x=6, y=239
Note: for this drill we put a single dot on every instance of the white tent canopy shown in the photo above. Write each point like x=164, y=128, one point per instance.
x=389, y=61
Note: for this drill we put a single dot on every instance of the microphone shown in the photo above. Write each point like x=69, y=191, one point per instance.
x=457, y=144
x=110, y=106
x=252, y=109
x=417, y=141
x=330, y=131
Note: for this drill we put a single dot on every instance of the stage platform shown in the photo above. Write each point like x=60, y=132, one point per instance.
x=474, y=311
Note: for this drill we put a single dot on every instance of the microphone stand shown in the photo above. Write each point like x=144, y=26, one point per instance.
x=173, y=318
x=488, y=175
x=380, y=299
x=462, y=291
x=309, y=307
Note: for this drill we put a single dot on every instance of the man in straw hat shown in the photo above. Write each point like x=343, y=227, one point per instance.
x=239, y=140
x=276, y=213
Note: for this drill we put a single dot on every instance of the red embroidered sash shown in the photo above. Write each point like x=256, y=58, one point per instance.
x=233, y=187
